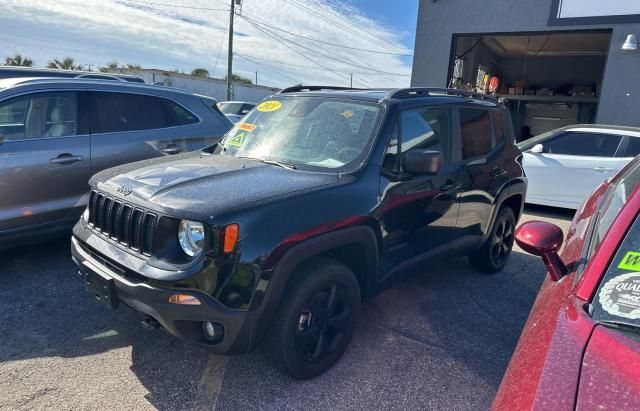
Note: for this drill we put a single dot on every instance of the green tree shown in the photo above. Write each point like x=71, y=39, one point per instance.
x=239, y=79
x=132, y=66
x=200, y=72
x=67, y=63
x=18, y=60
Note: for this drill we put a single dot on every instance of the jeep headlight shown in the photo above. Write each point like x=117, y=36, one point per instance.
x=191, y=237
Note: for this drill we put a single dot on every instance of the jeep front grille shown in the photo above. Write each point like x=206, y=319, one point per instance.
x=125, y=223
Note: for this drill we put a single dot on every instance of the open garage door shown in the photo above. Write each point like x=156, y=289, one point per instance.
x=548, y=80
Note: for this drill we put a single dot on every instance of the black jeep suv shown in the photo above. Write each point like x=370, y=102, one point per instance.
x=312, y=204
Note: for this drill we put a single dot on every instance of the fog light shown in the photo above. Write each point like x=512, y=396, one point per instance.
x=184, y=299
x=212, y=331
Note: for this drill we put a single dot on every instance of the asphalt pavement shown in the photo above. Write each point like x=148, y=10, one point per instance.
x=440, y=340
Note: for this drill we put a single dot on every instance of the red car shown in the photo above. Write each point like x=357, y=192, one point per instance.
x=580, y=348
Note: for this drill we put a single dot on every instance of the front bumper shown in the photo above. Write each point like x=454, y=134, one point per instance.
x=183, y=321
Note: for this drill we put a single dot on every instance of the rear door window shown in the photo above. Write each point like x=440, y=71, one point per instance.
x=633, y=147
x=40, y=115
x=120, y=112
x=176, y=114
x=475, y=129
x=584, y=144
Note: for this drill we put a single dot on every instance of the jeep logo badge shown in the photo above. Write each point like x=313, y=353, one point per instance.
x=124, y=190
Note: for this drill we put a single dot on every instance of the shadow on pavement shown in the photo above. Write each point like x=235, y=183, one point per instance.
x=440, y=340
x=45, y=313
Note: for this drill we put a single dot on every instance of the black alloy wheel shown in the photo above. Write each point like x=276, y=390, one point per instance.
x=315, y=320
x=502, y=240
x=494, y=253
x=322, y=323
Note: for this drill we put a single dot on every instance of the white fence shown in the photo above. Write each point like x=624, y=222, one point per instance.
x=206, y=86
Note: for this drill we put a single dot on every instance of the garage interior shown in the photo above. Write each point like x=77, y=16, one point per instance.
x=548, y=80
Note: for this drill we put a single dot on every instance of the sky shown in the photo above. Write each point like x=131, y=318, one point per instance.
x=286, y=41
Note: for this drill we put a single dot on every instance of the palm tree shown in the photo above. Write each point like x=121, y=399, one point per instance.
x=131, y=66
x=67, y=63
x=18, y=60
x=111, y=66
x=200, y=72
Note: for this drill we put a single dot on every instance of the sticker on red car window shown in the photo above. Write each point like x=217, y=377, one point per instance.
x=631, y=261
x=246, y=127
x=620, y=296
x=236, y=141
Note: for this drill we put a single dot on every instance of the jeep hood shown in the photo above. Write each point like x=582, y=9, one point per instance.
x=200, y=186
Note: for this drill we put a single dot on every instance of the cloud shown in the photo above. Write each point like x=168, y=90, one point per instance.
x=156, y=36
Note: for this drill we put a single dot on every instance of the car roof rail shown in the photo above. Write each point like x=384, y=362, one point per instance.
x=414, y=92
x=294, y=89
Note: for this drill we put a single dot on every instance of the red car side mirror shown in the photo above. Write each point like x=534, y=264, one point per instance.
x=543, y=239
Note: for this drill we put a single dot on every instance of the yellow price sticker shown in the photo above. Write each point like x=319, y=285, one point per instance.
x=271, y=105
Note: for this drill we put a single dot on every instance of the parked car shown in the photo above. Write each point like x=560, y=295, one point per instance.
x=17, y=72
x=235, y=110
x=580, y=347
x=56, y=133
x=565, y=165
x=315, y=202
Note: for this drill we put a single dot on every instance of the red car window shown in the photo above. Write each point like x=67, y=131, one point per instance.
x=617, y=300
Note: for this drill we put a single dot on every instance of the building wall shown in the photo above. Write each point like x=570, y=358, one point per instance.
x=439, y=20
x=206, y=86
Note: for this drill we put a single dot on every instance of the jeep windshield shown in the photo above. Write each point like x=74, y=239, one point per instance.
x=304, y=132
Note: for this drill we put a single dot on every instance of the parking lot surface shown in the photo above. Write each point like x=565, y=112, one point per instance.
x=440, y=340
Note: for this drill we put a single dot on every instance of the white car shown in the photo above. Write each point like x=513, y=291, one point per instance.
x=565, y=165
x=235, y=110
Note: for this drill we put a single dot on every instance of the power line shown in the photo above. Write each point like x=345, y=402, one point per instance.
x=274, y=37
x=322, y=54
x=220, y=48
x=350, y=30
x=325, y=42
x=171, y=5
x=270, y=68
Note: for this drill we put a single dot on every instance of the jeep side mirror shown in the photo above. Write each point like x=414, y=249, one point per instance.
x=537, y=149
x=543, y=239
x=422, y=162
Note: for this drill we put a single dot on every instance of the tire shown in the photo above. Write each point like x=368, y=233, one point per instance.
x=311, y=330
x=495, y=252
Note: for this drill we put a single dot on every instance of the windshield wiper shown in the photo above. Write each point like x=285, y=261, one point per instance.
x=273, y=162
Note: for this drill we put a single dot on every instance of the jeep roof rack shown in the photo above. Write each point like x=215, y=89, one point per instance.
x=434, y=91
x=294, y=89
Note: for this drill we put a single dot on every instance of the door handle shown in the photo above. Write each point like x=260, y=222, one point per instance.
x=450, y=186
x=171, y=149
x=497, y=172
x=66, y=158
x=603, y=169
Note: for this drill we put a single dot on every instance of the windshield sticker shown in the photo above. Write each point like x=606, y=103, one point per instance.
x=631, y=262
x=246, y=127
x=620, y=296
x=236, y=141
x=347, y=114
x=267, y=106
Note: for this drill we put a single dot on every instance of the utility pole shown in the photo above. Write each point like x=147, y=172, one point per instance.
x=351, y=82
x=230, y=53
x=256, y=78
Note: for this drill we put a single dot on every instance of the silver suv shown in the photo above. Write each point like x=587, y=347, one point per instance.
x=56, y=133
